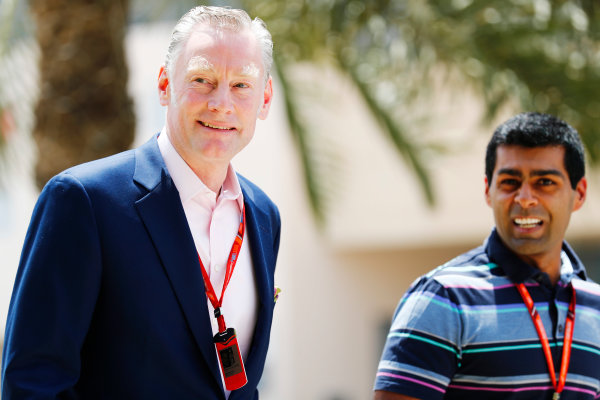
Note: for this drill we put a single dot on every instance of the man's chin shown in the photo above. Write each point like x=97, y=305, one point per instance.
x=527, y=246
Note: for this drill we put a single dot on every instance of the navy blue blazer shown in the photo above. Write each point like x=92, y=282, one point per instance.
x=109, y=301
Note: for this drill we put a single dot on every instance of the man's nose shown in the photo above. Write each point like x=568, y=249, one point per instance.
x=525, y=196
x=220, y=100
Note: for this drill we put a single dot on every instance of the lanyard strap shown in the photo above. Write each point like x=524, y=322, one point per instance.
x=568, y=338
x=231, y=261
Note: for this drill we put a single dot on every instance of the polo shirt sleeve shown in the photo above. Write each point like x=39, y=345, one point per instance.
x=421, y=353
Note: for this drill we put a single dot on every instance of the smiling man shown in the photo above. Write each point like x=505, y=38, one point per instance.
x=516, y=318
x=150, y=274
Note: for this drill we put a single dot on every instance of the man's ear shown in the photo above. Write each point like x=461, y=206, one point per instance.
x=164, y=90
x=263, y=111
x=580, y=194
x=487, y=192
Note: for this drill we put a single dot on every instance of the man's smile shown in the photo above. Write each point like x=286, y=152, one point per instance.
x=222, y=128
x=527, y=222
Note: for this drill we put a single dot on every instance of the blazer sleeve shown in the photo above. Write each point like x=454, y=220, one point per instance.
x=55, y=292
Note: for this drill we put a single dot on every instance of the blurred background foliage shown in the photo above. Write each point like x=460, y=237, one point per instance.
x=536, y=55
x=84, y=111
x=533, y=54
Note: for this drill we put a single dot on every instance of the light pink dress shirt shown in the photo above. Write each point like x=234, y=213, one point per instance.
x=214, y=222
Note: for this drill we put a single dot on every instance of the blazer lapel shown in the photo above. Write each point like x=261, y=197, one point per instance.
x=261, y=247
x=174, y=243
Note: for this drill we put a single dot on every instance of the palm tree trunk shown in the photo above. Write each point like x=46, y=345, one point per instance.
x=84, y=111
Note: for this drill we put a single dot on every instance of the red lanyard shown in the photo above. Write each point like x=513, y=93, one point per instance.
x=233, y=256
x=568, y=338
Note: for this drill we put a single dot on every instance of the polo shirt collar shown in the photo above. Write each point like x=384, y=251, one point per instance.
x=518, y=270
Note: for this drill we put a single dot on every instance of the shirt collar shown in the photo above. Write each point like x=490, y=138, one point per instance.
x=231, y=189
x=518, y=270
x=187, y=182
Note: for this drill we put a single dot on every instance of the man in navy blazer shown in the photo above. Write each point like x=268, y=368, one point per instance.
x=109, y=300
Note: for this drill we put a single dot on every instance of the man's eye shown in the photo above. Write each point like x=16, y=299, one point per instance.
x=546, y=182
x=241, y=85
x=509, y=182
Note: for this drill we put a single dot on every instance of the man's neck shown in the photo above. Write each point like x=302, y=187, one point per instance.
x=547, y=263
x=213, y=178
x=211, y=172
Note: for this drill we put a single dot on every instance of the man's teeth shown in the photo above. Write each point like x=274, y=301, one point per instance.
x=527, y=222
x=224, y=128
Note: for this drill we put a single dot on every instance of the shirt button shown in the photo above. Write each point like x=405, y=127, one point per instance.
x=217, y=269
x=561, y=328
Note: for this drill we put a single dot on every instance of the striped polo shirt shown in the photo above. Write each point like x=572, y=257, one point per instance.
x=463, y=332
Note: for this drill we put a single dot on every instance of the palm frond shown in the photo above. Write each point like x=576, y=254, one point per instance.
x=399, y=137
x=300, y=135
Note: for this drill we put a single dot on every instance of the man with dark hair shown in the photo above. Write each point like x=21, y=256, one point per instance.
x=516, y=318
x=137, y=267
x=537, y=130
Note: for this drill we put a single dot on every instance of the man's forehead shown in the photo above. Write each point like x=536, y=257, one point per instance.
x=541, y=158
x=202, y=63
x=210, y=48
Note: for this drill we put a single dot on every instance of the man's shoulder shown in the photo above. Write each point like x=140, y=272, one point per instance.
x=588, y=286
x=108, y=176
x=466, y=263
x=472, y=269
x=110, y=166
